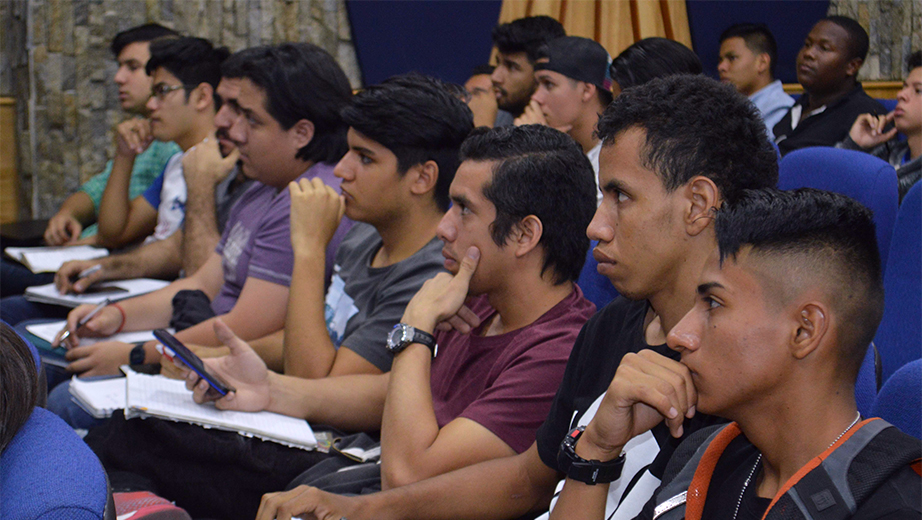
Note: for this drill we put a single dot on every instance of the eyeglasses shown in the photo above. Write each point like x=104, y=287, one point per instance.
x=160, y=90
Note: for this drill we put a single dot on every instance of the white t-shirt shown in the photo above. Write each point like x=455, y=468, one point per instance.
x=172, y=208
x=593, y=156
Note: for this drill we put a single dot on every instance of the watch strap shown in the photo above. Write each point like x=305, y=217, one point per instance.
x=590, y=472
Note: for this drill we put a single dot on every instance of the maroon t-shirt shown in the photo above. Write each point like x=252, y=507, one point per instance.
x=506, y=383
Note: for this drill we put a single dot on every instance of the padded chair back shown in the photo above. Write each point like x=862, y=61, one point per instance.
x=889, y=104
x=48, y=472
x=858, y=175
x=596, y=288
x=900, y=400
x=899, y=337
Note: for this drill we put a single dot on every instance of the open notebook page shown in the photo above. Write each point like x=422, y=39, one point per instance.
x=165, y=398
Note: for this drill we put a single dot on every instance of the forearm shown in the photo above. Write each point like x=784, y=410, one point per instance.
x=408, y=427
x=79, y=206
x=154, y=310
x=308, y=350
x=115, y=204
x=154, y=260
x=497, y=489
x=579, y=500
x=351, y=403
x=200, y=228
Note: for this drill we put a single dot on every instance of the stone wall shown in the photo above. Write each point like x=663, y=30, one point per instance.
x=894, y=29
x=74, y=103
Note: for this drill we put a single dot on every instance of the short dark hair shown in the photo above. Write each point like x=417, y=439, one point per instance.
x=857, y=36
x=758, y=40
x=914, y=61
x=21, y=387
x=301, y=81
x=542, y=172
x=526, y=35
x=142, y=33
x=695, y=126
x=652, y=58
x=418, y=119
x=192, y=60
x=828, y=232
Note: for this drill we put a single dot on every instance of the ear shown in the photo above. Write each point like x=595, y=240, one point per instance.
x=812, y=324
x=526, y=235
x=763, y=62
x=703, y=199
x=202, y=97
x=301, y=133
x=853, y=66
x=424, y=177
x=587, y=91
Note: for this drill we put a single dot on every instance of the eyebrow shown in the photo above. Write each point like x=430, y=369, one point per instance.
x=362, y=150
x=613, y=185
x=708, y=287
x=460, y=199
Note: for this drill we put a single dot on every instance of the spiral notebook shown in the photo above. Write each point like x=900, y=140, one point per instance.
x=163, y=398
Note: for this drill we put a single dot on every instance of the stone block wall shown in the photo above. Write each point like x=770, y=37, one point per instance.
x=894, y=29
x=67, y=102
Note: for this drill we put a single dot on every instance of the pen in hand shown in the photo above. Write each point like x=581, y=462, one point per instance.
x=86, y=319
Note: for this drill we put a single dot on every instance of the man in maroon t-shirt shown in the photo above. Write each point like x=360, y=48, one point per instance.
x=497, y=360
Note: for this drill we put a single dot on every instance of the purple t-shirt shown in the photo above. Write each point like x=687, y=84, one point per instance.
x=257, y=238
x=506, y=383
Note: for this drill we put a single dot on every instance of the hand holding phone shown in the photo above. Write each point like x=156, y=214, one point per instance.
x=192, y=361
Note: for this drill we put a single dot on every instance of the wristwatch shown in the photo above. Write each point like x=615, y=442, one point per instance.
x=137, y=355
x=590, y=472
x=402, y=335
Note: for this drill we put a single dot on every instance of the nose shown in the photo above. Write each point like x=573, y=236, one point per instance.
x=808, y=52
x=685, y=335
x=498, y=76
x=121, y=76
x=539, y=95
x=599, y=228
x=722, y=66
x=903, y=94
x=446, y=230
x=343, y=169
x=153, y=103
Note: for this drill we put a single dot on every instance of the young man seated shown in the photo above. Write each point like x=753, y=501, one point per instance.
x=395, y=180
x=515, y=257
x=574, y=87
x=784, y=315
x=517, y=44
x=827, y=68
x=748, y=54
x=868, y=133
x=75, y=220
x=672, y=153
x=282, y=135
x=185, y=72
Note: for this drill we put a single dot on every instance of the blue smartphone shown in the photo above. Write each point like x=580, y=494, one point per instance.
x=192, y=361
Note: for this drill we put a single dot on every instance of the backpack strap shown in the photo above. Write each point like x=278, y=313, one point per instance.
x=836, y=483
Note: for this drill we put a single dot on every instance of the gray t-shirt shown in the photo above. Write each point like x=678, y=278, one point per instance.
x=364, y=303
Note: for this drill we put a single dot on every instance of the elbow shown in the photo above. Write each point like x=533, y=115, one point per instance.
x=398, y=475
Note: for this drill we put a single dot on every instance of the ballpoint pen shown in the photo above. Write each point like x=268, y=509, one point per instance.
x=86, y=319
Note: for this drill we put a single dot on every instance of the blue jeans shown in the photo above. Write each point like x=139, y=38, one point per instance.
x=63, y=405
x=17, y=309
x=15, y=278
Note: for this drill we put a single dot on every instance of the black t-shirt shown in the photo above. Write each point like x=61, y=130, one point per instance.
x=613, y=332
x=829, y=126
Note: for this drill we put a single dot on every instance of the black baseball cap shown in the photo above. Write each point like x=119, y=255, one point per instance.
x=577, y=58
